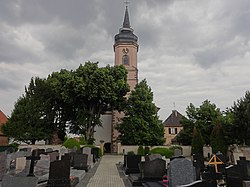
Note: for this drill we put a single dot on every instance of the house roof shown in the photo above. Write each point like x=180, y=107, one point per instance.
x=173, y=119
x=3, y=119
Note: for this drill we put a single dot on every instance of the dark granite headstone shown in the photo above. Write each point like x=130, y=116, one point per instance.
x=244, y=166
x=233, y=176
x=150, y=173
x=154, y=169
x=81, y=162
x=198, y=163
x=59, y=174
x=181, y=171
x=132, y=164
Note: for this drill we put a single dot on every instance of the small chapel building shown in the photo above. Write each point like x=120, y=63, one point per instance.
x=172, y=126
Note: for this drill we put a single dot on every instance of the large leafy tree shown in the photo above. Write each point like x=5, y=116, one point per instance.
x=141, y=124
x=203, y=118
x=30, y=120
x=241, y=122
x=92, y=91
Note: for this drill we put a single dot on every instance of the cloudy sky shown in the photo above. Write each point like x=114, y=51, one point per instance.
x=190, y=50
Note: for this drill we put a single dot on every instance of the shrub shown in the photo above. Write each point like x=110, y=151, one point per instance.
x=173, y=147
x=140, y=151
x=130, y=153
x=71, y=143
x=162, y=151
x=146, y=150
x=197, y=142
x=82, y=141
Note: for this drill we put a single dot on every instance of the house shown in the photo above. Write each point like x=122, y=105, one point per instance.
x=3, y=138
x=172, y=126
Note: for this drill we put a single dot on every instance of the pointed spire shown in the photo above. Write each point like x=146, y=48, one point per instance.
x=126, y=23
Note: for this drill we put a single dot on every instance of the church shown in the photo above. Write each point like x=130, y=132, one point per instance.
x=125, y=49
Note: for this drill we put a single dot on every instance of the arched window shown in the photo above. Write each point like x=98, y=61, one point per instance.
x=125, y=60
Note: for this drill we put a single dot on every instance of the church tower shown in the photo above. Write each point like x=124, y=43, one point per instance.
x=126, y=48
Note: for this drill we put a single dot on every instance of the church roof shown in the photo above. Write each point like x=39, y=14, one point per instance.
x=126, y=32
x=173, y=119
x=126, y=22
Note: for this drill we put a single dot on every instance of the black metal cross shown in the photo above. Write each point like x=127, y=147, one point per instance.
x=126, y=2
x=35, y=156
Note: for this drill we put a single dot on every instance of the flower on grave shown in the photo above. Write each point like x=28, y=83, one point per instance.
x=71, y=178
x=165, y=180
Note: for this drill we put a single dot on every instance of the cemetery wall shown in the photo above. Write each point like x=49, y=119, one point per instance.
x=54, y=147
x=124, y=149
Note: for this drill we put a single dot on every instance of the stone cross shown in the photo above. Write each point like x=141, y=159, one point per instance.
x=35, y=156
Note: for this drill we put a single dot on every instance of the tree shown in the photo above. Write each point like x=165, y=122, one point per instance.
x=141, y=124
x=30, y=120
x=197, y=142
x=203, y=118
x=218, y=142
x=92, y=91
x=241, y=123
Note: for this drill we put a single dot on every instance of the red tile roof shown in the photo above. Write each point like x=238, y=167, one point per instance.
x=3, y=119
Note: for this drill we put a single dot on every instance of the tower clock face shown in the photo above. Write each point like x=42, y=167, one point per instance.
x=125, y=50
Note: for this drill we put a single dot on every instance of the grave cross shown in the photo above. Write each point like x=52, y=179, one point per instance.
x=35, y=156
x=215, y=161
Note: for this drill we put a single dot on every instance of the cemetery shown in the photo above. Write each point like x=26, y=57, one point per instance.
x=155, y=170
x=46, y=167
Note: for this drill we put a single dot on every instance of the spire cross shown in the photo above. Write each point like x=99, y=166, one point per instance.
x=126, y=3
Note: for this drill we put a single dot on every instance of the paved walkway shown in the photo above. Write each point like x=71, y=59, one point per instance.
x=107, y=174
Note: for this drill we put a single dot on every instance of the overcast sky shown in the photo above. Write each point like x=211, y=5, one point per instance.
x=190, y=50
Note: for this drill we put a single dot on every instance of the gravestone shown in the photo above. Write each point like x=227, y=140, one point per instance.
x=20, y=164
x=233, y=176
x=181, y=171
x=35, y=156
x=12, y=181
x=154, y=156
x=132, y=164
x=198, y=163
x=42, y=165
x=59, y=174
x=3, y=169
x=177, y=153
x=154, y=169
x=150, y=173
x=244, y=166
x=49, y=150
x=81, y=162
x=54, y=155
x=87, y=150
x=63, y=150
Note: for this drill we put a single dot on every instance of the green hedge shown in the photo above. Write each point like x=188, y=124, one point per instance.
x=71, y=143
x=162, y=151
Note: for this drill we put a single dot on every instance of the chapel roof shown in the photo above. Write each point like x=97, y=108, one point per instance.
x=173, y=119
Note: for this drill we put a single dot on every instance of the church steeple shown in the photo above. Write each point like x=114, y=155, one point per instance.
x=126, y=23
x=126, y=32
